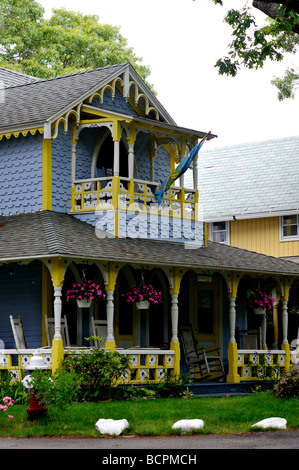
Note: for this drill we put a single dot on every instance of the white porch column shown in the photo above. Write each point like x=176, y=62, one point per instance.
x=264, y=331
x=284, y=318
x=232, y=350
x=174, y=317
x=116, y=158
x=110, y=315
x=232, y=319
x=57, y=311
x=131, y=161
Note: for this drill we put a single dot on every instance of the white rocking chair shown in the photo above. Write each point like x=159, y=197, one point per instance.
x=18, y=332
x=50, y=329
x=99, y=328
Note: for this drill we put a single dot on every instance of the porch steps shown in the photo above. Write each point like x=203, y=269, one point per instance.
x=220, y=389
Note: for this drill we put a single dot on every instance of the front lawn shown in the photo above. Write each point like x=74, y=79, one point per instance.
x=155, y=416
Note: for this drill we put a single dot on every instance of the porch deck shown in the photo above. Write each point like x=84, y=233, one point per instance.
x=221, y=389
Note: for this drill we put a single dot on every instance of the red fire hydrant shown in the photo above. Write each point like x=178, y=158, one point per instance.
x=36, y=407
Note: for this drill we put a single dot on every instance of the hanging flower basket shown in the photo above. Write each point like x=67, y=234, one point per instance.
x=83, y=303
x=143, y=304
x=259, y=302
x=84, y=293
x=259, y=311
x=141, y=294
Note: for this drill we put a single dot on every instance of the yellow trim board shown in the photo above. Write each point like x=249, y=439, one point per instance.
x=47, y=174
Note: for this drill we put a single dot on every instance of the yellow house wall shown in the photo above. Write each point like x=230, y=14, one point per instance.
x=261, y=235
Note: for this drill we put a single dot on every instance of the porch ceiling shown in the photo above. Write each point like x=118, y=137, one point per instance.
x=48, y=234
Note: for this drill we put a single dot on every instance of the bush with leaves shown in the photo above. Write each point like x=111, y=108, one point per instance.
x=97, y=369
x=55, y=392
x=173, y=386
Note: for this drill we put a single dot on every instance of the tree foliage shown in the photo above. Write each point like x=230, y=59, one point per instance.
x=67, y=42
x=252, y=44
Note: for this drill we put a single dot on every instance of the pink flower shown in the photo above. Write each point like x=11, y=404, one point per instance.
x=8, y=400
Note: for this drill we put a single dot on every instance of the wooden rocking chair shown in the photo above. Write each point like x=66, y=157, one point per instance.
x=202, y=363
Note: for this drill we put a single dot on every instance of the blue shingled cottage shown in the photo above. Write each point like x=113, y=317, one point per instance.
x=81, y=157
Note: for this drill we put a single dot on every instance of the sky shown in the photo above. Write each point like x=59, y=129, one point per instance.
x=180, y=41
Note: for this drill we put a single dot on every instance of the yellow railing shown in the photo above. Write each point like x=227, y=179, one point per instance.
x=16, y=361
x=132, y=194
x=145, y=364
x=261, y=364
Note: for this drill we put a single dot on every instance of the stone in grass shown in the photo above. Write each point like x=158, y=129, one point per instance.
x=187, y=425
x=277, y=423
x=114, y=427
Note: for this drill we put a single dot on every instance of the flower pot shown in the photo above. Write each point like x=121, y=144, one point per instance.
x=259, y=311
x=83, y=303
x=142, y=304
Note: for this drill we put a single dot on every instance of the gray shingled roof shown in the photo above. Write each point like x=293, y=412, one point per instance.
x=36, y=102
x=47, y=233
x=252, y=178
x=12, y=78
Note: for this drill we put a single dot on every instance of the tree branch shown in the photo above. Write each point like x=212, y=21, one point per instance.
x=271, y=8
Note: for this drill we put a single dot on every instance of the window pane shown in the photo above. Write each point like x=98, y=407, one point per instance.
x=219, y=237
x=219, y=232
x=290, y=226
x=289, y=219
x=219, y=226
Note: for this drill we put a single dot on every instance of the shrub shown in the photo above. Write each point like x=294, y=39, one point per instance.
x=172, y=386
x=97, y=369
x=288, y=387
x=55, y=392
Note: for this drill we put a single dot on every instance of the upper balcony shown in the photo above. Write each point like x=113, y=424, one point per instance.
x=133, y=194
x=118, y=205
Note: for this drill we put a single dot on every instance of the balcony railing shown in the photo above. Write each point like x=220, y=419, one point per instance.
x=132, y=194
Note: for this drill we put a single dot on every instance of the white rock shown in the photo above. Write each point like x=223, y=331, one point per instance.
x=114, y=427
x=279, y=423
x=188, y=424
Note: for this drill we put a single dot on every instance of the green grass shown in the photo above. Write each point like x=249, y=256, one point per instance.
x=154, y=417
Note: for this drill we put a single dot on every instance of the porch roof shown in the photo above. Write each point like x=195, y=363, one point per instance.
x=46, y=234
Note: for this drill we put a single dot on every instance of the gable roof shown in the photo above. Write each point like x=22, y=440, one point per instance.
x=46, y=234
x=258, y=179
x=35, y=102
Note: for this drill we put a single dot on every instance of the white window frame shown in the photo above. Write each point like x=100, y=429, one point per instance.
x=284, y=238
x=226, y=222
